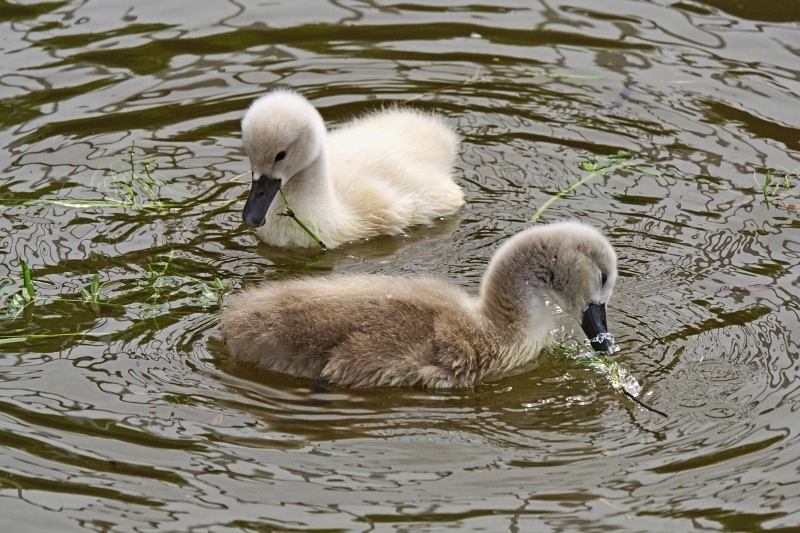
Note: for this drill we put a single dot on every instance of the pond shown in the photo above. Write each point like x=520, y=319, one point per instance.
x=122, y=159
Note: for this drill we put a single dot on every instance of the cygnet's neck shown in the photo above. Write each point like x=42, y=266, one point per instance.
x=313, y=199
x=515, y=303
x=312, y=186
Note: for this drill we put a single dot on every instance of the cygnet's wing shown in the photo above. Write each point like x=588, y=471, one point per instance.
x=355, y=330
x=396, y=166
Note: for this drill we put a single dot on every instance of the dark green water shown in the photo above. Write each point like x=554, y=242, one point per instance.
x=120, y=416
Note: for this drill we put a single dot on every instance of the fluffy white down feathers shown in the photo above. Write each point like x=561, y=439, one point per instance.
x=375, y=175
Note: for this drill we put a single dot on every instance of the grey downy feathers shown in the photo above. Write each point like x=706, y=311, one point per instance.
x=370, y=330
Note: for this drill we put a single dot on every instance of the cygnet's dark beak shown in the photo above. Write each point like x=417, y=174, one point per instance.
x=594, y=323
x=261, y=195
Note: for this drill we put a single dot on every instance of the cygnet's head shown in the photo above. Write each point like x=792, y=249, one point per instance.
x=282, y=134
x=571, y=262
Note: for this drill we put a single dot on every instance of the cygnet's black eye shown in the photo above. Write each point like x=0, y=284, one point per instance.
x=603, y=279
x=280, y=155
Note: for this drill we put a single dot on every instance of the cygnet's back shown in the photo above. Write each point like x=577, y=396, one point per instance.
x=359, y=331
x=364, y=330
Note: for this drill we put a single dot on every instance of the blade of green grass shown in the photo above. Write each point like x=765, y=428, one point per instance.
x=26, y=280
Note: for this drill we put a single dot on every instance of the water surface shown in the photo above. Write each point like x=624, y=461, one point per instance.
x=121, y=415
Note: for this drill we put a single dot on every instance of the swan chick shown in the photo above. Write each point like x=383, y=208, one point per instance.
x=375, y=175
x=366, y=330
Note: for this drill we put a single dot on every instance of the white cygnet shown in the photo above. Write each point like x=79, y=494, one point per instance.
x=366, y=330
x=375, y=175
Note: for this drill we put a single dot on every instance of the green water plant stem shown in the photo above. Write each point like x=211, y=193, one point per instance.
x=566, y=191
x=766, y=184
x=6, y=339
x=126, y=188
x=775, y=189
x=93, y=294
x=596, y=166
x=617, y=374
x=640, y=402
x=289, y=213
x=475, y=78
x=209, y=292
x=21, y=299
x=26, y=281
x=556, y=75
x=158, y=278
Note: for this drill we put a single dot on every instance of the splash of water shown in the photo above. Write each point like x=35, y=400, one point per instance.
x=613, y=348
x=620, y=377
x=617, y=374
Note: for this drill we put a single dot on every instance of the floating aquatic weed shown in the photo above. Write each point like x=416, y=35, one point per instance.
x=161, y=278
x=621, y=378
x=783, y=193
x=210, y=293
x=130, y=187
x=787, y=186
x=289, y=213
x=618, y=375
x=475, y=78
x=598, y=166
x=15, y=305
x=25, y=296
x=565, y=76
x=134, y=186
x=93, y=294
x=152, y=286
x=156, y=280
x=129, y=184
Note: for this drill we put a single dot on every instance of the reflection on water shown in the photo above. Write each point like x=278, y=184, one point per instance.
x=120, y=413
